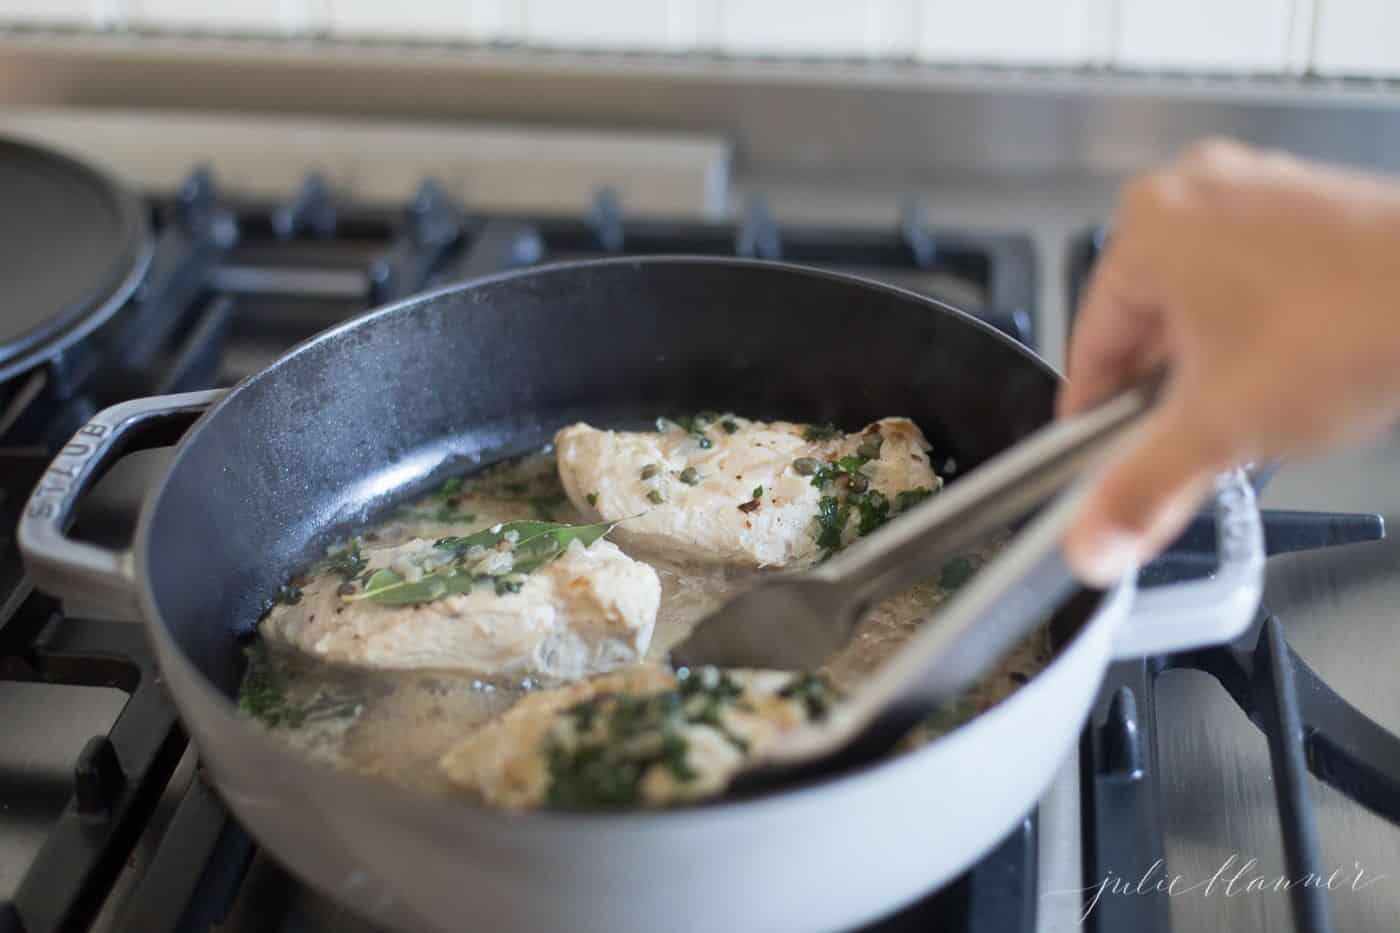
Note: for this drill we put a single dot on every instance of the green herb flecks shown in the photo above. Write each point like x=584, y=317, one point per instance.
x=452, y=487
x=832, y=516
x=814, y=692
x=873, y=508
x=694, y=425
x=348, y=562
x=532, y=545
x=906, y=499
x=265, y=695
x=288, y=594
x=592, y=499
x=602, y=749
x=758, y=492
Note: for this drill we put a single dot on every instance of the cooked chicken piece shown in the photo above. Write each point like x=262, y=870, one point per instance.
x=745, y=492
x=632, y=738
x=590, y=609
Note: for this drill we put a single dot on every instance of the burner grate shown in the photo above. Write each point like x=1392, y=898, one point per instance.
x=117, y=779
x=1309, y=727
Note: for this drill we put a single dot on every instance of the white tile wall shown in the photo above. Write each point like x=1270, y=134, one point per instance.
x=799, y=27
x=267, y=16
x=476, y=20
x=46, y=11
x=1331, y=37
x=1007, y=31
x=604, y=24
x=1357, y=37
x=1228, y=35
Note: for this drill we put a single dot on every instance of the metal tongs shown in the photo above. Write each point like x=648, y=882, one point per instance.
x=796, y=621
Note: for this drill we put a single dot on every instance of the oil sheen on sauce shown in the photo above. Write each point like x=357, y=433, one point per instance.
x=396, y=725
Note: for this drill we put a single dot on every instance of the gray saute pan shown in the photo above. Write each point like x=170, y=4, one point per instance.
x=390, y=403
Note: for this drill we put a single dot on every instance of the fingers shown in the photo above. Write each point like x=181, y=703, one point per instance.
x=1145, y=496
x=1117, y=338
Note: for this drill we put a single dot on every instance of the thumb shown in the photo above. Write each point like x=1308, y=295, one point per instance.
x=1145, y=495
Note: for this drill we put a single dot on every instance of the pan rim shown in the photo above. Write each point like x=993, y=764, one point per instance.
x=824, y=786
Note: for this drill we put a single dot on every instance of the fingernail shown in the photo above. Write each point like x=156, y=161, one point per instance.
x=1103, y=559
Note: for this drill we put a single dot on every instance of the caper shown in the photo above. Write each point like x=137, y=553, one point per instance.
x=690, y=476
x=858, y=483
x=655, y=498
x=870, y=447
x=650, y=470
x=806, y=466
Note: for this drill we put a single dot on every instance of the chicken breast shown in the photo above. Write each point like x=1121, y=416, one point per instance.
x=745, y=492
x=642, y=737
x=590, y=608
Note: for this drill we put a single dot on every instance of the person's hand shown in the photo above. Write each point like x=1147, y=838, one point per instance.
x=1269, y=290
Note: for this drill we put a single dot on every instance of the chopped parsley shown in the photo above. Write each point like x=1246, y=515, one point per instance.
x=264, y=695
x=592, y=498
x=758, y=492
x=452, y=487
x=814, y=691
x=874, y=510
x=348, y=562
x=601, y=750
x=908, y=498
x=694, y=425
x=832, y=516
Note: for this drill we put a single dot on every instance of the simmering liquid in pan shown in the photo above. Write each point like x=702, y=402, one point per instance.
x=398, y=724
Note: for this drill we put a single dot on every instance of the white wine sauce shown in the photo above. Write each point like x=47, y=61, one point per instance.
x=397, y=724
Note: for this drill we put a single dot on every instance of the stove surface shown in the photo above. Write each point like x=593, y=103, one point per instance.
x=233, y=284
x=1339, y=610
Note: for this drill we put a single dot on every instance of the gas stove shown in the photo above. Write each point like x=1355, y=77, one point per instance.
x=105, y=820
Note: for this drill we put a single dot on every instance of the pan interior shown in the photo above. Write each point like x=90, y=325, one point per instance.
x=387, y=405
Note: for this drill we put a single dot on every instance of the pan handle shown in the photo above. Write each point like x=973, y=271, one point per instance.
x=1182, y=616
x=76, y=571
